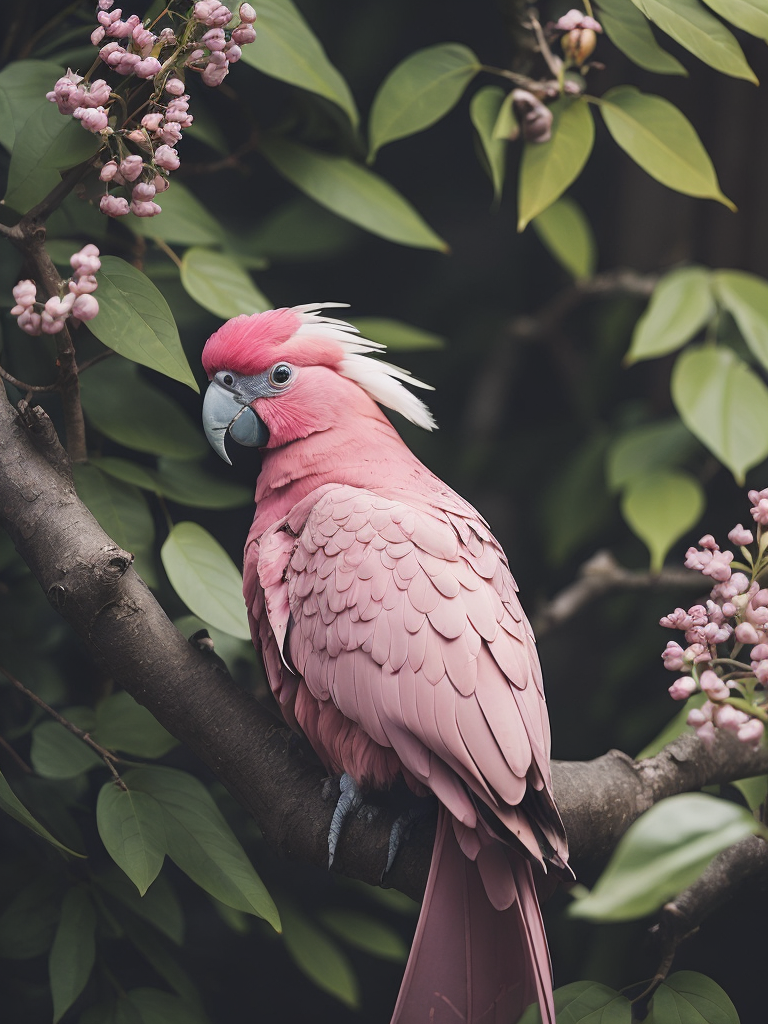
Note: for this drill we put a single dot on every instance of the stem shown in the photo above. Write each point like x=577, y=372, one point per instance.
x=12, y=753
x=168, y=251
x=107, y=756
x=751, y=709
x=28, y=388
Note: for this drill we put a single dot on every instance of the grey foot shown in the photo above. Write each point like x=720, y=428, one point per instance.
x=401, y=830
x=350, y=800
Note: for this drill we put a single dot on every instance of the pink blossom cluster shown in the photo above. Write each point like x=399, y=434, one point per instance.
x=579, y=37
x=199, y=42
x=76, y=298
x=735, y=615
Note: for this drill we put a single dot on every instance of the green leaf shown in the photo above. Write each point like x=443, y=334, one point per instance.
x=319, y=958
x=59, y=754
x=724, y=404
x=155, y=952
x=366, y=933
x=681, y=305
x=579, y=487
x=662, y=853
x=201, y=843
x=122, y=512
x=11, y=804
x=548, y=168
x=630, y=32
x=749, y=15
x=484, y=109
x=160, y=905
x=205, y=578
x=135, y=320
x=182, y=481
x=662, y=141
x=28, y=923
x=688, y=997
x=47, y=143
x=754, y=790
x=219, y=284
x=123, y=724
x=676, y=726
x=585, y=1002
x=660, y=507
x=506, y=126
x=647, y=448
x=297, y=231
x=698, y=31
x=353, y=192
x=565, y=231
x=151, y=1006
x=131, y=828
x=397, y=335
x=184, y=220
x=419, y=91
x=288, y=49
x=111, y=393
x=22, y=83
x=73, y=951
x=745, y=296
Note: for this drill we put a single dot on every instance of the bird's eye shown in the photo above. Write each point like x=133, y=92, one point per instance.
x=280, y=375
x=228, y=379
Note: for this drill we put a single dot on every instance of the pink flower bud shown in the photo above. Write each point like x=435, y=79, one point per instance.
x=243, y=35
x=212, y=13
x=752, y=732
x=169, y=133
x=114, y=206
x=673, y=656
x=104, y=5
x=106, y=19
x=214, y=74
x=760, y=652
x=57, y=308
x=166, y=158
x=144, y=192
x=144, y=39
x=214, y=39
x=534, y=116
x=696, y=653
x=167, y=37
x=95, y=119
x=746, y=633
x=740, y=536
x=195, y=56
x=147, y=68
x=760, y=668
x=247, y=14
x=729, y=718
x=83, y=284
x=30, y=322
x=97, y=35
x=145, y=209
x=682, y=688
x=49, y=324
x=25, y=293
x=577, y=19
x=85, y=307
x=174, y=86
x=108, y=171
x=160, y=183
x=232, y=52
x=131, y=167
x=86, y=261
x=713, y=685
x=97, y=95
x=152, y=121
x=759, y=501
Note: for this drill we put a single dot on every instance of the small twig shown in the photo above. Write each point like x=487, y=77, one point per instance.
x=96, y=359
x=16, y=757
x=107, y=756
x=168, y=251
x=600, y=574
x=27, y=388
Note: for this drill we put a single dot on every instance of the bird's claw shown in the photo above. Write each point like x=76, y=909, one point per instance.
x=349, y=801
x=400, y=832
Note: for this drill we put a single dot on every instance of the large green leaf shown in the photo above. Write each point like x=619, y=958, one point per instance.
x=484, y=110
x=688, y=997
x=662, y=141
x=47, y=143
x=754, y=790
x=59, y=754
x=126, y=409
x=123, y=724
x=319, y=958
x=662, y=853
x=419, y=91
x=297, y=231
x=135, y=321
x=22, y=83
x=180, y=480
x=745, y=296
x=288, y=49
x=28, y=923
x=629, y=30
x=122, y=512
x=750, y=15
x=184, y=220
x=366, y=933
x=73, y=951
x=548, y=168
x=395, y=334
x=353, y=192
x=205, y=578
x=647, y=448
x=131, y=827
x=700, y=32
x=219, y=284
x=566, y=232
x=201, y=843
x=11, y=804
x=585, y=1002
x=681, y=305
x=724, y=404
x=660, y=507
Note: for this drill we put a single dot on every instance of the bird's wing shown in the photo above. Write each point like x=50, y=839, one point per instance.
x=407, y=619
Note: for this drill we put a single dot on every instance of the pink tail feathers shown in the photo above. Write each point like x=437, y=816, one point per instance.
x=470, y=962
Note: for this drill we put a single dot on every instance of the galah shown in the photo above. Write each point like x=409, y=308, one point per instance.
x=394, y=641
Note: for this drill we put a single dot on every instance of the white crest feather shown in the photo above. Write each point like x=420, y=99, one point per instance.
x=380, y=379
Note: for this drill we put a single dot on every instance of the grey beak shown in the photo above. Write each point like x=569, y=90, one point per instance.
x=222, y=412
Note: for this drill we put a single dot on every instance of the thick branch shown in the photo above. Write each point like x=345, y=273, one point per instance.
x=90, y=581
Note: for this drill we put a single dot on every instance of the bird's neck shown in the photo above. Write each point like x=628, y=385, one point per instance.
x=373, y=457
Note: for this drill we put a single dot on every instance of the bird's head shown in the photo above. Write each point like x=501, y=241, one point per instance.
x=284, y=374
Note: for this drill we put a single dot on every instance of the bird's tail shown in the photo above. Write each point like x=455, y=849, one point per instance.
x=469, y=961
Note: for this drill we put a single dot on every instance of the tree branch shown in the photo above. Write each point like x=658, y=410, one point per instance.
x=92, y=584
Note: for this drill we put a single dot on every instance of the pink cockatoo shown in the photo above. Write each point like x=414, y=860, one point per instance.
x=394, y=641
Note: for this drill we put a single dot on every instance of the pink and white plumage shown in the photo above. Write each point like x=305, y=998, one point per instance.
x=393, y=638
